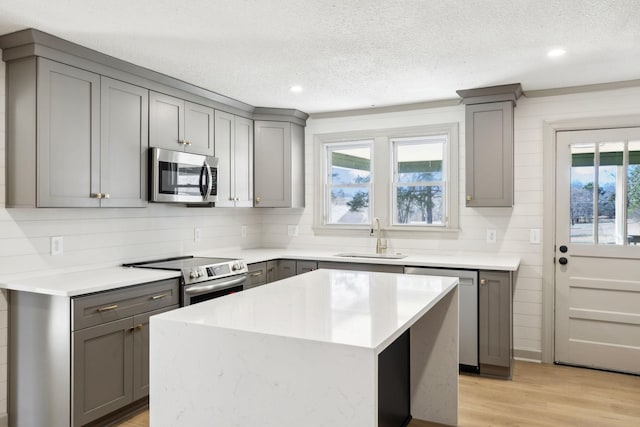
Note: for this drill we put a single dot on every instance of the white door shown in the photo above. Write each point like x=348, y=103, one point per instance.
x=597, y=266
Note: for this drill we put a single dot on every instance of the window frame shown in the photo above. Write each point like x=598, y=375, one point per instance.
x=337, y=145
x=382, y=180
x=442, y=183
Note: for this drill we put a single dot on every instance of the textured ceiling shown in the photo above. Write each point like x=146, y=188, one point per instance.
x=352, y=53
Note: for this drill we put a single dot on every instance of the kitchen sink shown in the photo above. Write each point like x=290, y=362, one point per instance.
x=369, y=255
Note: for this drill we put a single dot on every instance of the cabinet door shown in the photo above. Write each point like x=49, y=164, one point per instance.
x=273, y=164
x=123, y=144
x=286, y=268
x=166, y=122
x=141, y=352
x=102, y=368
x=257, y=275
x=68, y=144
x=305, y=266
x=489, y=154
x=198, y=129
x=495, y=337
x=272, y=271
x=225, y=134
x=243, y=162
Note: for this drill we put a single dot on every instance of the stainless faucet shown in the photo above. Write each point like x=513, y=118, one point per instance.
x=380, y=245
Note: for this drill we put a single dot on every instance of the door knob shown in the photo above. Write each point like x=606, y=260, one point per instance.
x=563, y=249
x=563, y=261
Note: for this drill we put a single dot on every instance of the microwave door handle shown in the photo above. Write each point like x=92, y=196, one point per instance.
x=202, y=186
x=209, y=181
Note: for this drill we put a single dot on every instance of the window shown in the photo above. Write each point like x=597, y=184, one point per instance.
x=407, y=177
x=419, y=181
x=348, y=183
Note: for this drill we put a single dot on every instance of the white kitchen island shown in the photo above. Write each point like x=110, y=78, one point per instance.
x=309, y=351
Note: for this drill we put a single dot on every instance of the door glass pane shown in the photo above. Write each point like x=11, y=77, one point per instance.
x=349, y=205
x=419, y=205
x=610, y=184
x=582, y=179
x=633, y=194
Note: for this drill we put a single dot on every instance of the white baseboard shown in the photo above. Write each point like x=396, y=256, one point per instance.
x=527, y=355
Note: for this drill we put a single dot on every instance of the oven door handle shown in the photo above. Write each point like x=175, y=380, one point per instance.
x=201, y=289
x=209, y=184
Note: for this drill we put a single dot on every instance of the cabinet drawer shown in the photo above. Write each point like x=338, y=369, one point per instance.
x=257, y=275
x=108, y=306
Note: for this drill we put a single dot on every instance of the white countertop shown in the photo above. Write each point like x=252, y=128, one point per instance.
x=442, y=260
x=70, y=284
x=360, y=309
x=74, y=283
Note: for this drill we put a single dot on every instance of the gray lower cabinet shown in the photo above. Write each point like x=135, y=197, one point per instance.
x=382, y=268
x=75, y=139
x=75, y=360
x=176, y=124
x=303, y=266
x=257, y=275
x=279, y=164
x=495, y=324
x=280, y=269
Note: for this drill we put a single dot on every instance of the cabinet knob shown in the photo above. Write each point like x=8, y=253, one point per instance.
x=106, y=195
x=187, y=142
x=468, y=198
x=96, y=195
x=484, y=281
x=257, y=199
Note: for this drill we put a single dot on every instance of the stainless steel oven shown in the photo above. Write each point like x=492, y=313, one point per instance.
x=180, y=177
x=203, y=279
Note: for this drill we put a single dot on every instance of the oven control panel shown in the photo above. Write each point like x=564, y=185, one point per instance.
x=202, y=273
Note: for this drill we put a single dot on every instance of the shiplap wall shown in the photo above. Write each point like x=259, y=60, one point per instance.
x=104, y=237
x=512, y=224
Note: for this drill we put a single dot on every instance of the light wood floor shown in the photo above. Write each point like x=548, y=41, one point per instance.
x=538, y=395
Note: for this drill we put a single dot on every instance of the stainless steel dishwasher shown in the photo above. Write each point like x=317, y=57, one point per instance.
x=468, y=309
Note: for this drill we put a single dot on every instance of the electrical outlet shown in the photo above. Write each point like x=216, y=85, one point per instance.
x=292, y=230
x=243, y=231
x=534, y=236
x=56, y=245
x=491, y=235
x=197, y=234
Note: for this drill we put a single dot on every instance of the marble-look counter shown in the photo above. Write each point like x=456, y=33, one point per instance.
x=304, y=351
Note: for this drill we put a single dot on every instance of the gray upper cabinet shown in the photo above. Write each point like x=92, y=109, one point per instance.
x=180, y=125
x=68, y=136
x=123, y=144
x=489, y=145
x=75, y=139
x=279, y=164
x=234, y=148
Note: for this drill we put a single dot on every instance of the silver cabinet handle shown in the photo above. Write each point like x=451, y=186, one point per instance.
x=484, y=281
x=96, y=195
x=257, y=200
x=107, y=308
x=157, y=297
x=256, y=274
x=106, y=195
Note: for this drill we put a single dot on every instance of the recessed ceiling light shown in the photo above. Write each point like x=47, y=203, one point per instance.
x=556, y=52
x=296, y=89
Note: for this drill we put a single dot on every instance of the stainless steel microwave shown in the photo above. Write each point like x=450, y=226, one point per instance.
x=178, y=177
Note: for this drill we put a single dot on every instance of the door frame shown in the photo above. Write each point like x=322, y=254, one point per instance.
x=550, y=129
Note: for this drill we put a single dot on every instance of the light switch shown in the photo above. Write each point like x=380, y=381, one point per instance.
x=534, y=236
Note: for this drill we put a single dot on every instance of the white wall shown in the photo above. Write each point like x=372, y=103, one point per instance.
x=512, y=224
x=103, y=237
